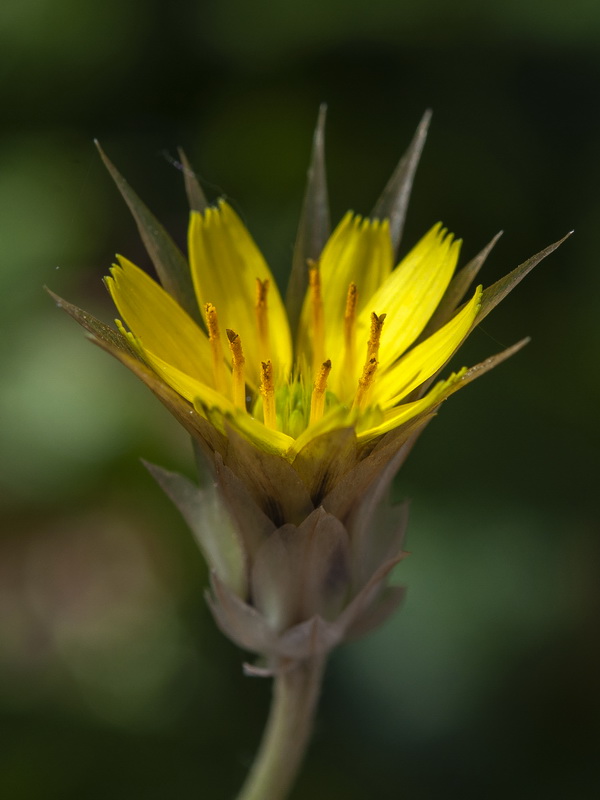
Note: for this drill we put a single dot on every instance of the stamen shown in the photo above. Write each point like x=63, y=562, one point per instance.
x=262, y=317
x=214, y=337
x=238, y=382
x=318, y=324
x=350, y=329
x=267, y=389
x=375, y=336
x=365, y=382
x=317, y=400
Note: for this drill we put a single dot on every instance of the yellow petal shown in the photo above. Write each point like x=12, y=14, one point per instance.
x=219, y=408
x=337, y=417
x=225, y=264
x=267, y=439
x=194, y=391
x=412, y=293
x=359, y=251
x=397, y=416
x=159, y=322
x=426, y=359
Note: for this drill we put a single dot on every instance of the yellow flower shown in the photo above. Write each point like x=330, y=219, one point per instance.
x=302, y=411
x=353, y=364
x=305, y=409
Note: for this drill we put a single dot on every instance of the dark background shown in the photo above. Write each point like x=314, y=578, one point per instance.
x=113, y=680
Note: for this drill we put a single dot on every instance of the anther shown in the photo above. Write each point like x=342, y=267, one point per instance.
x=214, y=337
x=375, y=336
x=238, y=381
x=318, y=323
x=350, y=329
x=267, y=390
x=365, y=382
x=262, y=317
x=317, y=400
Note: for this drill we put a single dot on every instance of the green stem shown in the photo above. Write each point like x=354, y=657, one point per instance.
x=288, y=730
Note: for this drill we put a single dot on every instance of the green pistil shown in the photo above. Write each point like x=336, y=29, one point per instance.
x=292, y=407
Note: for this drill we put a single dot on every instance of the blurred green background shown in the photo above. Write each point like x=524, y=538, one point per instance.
x=113, y=680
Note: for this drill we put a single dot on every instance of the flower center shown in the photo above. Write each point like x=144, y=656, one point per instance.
x=292, y=406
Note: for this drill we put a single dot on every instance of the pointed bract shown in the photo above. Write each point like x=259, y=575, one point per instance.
x=325, y=459
x=393, y=202
x=210, y=523
x=271, y=480
x=457, y=289
x=238, y=620
x=495, y=293
x=253, y=524
x=314, y=227
x=196, y=198
x=302, y=571
x=169, y=262
x=376, y=613
x=379, y=465
x=112, y=339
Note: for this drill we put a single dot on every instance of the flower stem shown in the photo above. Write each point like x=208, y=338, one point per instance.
x=287, y=733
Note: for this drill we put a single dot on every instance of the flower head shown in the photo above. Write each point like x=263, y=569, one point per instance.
x=353, y=363
x=305, y=408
